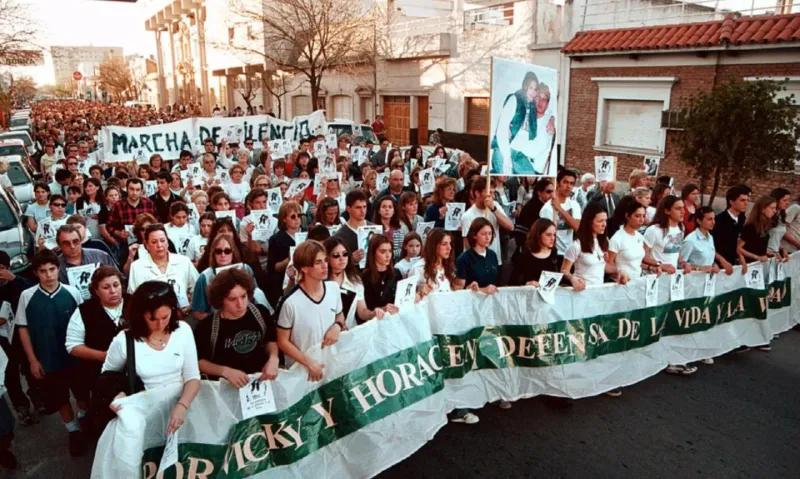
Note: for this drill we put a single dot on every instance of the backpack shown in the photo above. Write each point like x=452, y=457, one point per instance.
x=215, y=326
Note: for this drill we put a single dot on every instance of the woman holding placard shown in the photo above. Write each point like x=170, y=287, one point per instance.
x=237, y=189
x=380, y=278
x=279, y=246
x=160, y=264
x=538, y=255
x=239, y=338
x=443, y=193
x=345, y=273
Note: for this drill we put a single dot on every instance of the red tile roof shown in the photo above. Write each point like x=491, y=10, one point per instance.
x=770, y=29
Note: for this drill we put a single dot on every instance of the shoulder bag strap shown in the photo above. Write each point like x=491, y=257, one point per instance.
x=214, y=333
x=130, y=362
x=253, y=309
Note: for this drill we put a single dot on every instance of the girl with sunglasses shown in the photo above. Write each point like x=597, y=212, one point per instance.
x=162, y=265
x=345, y=273
x=46, y=230
x=163, y=345
x=289, y=221
x=222, y=252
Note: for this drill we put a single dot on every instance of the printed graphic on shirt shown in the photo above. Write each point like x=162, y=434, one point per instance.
x=672, y=243
x=244, y=342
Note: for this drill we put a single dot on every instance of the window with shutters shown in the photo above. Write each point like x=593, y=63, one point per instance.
x=477, y=115
x=342, y=107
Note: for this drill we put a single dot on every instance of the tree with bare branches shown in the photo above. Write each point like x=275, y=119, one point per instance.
x=24, y=89
x=17, y=34
x=115, y=77
x=309, y=37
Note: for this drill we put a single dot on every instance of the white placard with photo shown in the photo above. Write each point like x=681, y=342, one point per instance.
x=427, y=181
x=331, y=141
x=651, y=165
x=80, y=277
x=274, y=199
x=7, y=314
x=382, y=181
x=406, y=292
x=150, y=188
x=360, y=155
x=298, y=186
x=289, y=265
x=227, y=214
x=261, y=219
x=710, y=287
x=276, y=149
x=548, y=282
x=365, y=234
x=781, y=272
x=605, y=168
x=452, y=219
x=754, y=278
x=676, y=286
x=424, y=227
x=651, y=290
x=320, y=151
x=256, y=398
x=170, y=455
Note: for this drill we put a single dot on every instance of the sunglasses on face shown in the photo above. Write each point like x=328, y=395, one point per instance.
x=293, y=216
x=225, y=251
x=159, y=293
x=72, y=163
x=58, y=205
x=340, y=255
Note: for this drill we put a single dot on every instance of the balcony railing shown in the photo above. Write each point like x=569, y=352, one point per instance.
x=494, y=16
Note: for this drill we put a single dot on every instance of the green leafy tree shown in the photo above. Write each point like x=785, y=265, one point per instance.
x=739, y=131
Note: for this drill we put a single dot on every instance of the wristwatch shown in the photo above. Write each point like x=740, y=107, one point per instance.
x=494, y=208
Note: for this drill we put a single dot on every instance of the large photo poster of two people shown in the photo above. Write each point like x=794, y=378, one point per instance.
x=523, y=119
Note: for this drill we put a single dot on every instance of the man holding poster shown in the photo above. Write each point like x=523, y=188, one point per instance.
x=523, y=121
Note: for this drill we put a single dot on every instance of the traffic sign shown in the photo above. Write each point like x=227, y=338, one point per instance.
x=77, y=76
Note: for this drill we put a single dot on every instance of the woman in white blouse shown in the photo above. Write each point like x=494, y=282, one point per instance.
x=237, y=189
x=589, y=251
x=160, y=264
x=626, y=249
x=164, y=347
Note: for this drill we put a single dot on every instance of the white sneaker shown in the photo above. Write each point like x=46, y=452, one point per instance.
x=467, y=418
x=707, y=361
x=504, y=405
x=680, y=370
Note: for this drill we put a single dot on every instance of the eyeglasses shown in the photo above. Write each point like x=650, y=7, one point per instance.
x=58, y=205
x=293, y=216
x=72, y=163
x=225, y=251
x=340, y=255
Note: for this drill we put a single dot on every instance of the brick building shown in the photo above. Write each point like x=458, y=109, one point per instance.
x=622, y=80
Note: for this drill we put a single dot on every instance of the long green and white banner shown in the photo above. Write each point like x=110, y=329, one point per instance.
x=389, y=384
x=121, y=144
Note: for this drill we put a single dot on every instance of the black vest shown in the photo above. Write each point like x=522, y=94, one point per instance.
x=100, y=328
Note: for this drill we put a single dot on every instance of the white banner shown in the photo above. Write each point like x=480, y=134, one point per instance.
x=123, y=144
x=389, y=383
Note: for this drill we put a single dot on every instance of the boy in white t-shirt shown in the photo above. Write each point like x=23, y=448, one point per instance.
x=310, y=313
x=563, y=210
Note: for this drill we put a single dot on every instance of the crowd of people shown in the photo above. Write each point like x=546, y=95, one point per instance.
x=195, y=281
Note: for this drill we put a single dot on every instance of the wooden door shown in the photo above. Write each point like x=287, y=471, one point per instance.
x=422, y=120
x=397, y=118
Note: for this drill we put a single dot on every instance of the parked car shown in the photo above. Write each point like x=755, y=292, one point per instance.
x=22, y=178
x=14, y=147
x=24, y=136
x=20, y=123
x=345, y=127
x=15, y=238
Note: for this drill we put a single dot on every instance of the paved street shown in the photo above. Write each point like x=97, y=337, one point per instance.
x=738, y=418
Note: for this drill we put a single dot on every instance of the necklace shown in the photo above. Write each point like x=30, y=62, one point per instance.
x=158, y=343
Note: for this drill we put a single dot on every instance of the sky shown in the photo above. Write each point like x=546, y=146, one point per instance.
x=87, y=23
x=120, y=24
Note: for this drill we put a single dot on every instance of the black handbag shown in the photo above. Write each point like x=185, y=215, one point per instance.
x=108, y=385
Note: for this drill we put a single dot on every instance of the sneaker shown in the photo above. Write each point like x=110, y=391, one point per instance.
x=741, y=349
x=707, y=361
x=77, y=445
x=467, y=418
x=504, y=405
x=8, y=460
x=614, y=393
x=680, y=370
x=26, y=418
x=764, y=347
